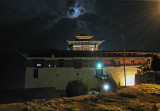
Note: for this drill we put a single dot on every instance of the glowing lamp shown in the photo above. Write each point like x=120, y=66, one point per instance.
x=106, y=87
x=99, y=65
x=92, y=49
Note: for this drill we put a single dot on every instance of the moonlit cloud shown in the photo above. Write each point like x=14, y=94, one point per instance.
x=75, y=12
x=24, y=22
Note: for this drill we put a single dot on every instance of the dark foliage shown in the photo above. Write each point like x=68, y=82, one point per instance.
x=155, y=63
x=76, y=88
x=149, y=78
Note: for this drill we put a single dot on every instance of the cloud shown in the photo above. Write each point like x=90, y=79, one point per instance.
x=73, y=9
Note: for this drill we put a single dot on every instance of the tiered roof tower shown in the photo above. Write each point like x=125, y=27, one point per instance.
x=84, y=43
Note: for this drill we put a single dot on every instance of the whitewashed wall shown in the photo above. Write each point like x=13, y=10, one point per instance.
x=47, y=77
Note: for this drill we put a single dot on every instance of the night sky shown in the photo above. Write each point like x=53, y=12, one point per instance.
x=48, y=24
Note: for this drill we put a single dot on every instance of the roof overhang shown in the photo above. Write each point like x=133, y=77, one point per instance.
x=84, y=37
x=84, y=42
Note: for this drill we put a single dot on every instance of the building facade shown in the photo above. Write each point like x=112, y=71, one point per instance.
x=84, y=43
x=57, y=68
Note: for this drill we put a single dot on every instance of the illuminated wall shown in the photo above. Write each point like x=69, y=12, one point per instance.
x=57, y=72
x=59, y=77
x=118, y=74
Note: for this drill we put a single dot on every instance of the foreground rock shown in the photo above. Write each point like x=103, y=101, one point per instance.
x=145, y=97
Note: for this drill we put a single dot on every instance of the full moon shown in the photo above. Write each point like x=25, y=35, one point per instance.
x=76, y=11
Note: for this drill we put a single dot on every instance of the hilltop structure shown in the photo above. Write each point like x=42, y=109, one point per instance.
x=55, y=68
x=84, y=43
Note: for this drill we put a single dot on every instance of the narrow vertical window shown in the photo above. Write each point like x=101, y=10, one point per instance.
x=85, y=48
x=148, y=61
x=35, y=73
x=132, y=62
x=61, y=62
x=77, y=64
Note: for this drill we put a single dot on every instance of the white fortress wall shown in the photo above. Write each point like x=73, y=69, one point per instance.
x=59, y=77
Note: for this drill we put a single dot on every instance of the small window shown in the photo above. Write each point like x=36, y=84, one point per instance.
x=57, y=74
x=39, y=65
x=132, y=62
x=61, y=61
x=35, y=73
x=78, y=48
x=117, y=63
x=85, y=48
x=77, y=74
x=61, y=64
x=77, y=64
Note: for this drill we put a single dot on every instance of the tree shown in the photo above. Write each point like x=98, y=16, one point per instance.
x=155, y=63
x=76, y=88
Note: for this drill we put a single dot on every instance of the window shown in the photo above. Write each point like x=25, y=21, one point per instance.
x=85, y=48
x=139, y=63
x=78, y=48
x=39, y=65
x=77, y=64
x=61, y=62
x=38, y=62
x=57, y=74
x=35, y=73
x=117, y=63
x=77, y=74
x=148, y=61
x=132, y=62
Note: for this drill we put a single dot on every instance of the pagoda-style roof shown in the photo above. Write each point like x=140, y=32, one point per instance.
x=84, y=37
x=84, y=42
